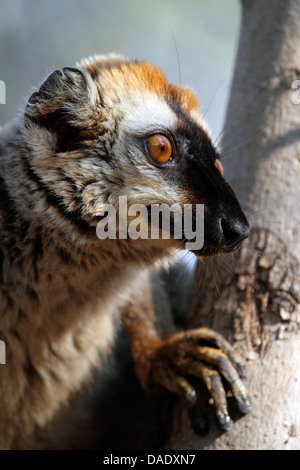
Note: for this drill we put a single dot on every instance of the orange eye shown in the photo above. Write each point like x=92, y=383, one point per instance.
x=219, y=166
x=159, y=148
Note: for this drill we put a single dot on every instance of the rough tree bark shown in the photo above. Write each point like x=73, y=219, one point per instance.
x=254, y=299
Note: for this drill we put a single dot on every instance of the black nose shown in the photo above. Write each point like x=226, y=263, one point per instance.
x=234, y=232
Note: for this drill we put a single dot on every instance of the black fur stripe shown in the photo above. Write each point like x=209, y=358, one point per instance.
x=56, y=201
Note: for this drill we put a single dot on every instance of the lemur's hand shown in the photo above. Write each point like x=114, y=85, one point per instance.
x=182, y=355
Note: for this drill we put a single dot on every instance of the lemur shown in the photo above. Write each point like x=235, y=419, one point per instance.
x=92, y=133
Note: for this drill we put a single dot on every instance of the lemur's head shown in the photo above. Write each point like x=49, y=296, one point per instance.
x=111, y=128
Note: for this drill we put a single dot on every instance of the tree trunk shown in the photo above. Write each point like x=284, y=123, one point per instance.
x=253, y=298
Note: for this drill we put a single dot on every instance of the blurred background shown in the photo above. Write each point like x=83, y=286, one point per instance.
x=39, y=36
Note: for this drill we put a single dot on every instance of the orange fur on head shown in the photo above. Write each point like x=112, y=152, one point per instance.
x=114, y=69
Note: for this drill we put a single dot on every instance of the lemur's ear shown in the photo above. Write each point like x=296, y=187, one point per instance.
x=60, y=105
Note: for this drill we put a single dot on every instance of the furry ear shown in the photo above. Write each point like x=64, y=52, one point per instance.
x=61, y=105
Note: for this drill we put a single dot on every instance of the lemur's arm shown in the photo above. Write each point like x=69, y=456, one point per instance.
x=167, y=357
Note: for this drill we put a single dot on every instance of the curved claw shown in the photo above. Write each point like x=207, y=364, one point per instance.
x=224, y=421
x=244, y=403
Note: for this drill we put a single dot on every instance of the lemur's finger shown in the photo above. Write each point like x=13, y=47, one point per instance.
x=177, y=384
x=214, y=385
x=226, y=347
x=221, y=362
x=206, y=334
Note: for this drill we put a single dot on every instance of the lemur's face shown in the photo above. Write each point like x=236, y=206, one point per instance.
x=113, y=128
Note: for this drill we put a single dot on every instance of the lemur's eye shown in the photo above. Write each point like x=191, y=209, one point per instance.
x=219, y=166
x=159, y=148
